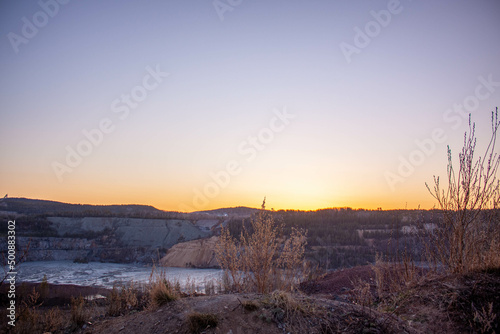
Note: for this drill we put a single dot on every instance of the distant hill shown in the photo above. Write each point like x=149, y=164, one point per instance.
x=29, y=206
x=53, y=208
x=239, y=211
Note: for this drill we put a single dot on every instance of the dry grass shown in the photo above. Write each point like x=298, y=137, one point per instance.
x=199, y=322
x=162, y=293
x=392, y=277
x=433, y=302
x=38, y=321
x=296, y=313
x=228, y=256
x=53, y=319
x=60, y=310
x=286, y=302
x=161, y=290
x=361, y=294
x=44, y=288
x=79, y=314
x=292, y=312
x=484, y=318
x=210, y=288
x=250, y=305
x=33, y=320
x=263, y=260
x=125, y=299
x=29, y=319
x=459, y=302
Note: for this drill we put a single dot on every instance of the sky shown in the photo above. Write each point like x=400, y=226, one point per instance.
x=191, y=105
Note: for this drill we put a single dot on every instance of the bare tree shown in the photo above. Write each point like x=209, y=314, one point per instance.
x=468, y=236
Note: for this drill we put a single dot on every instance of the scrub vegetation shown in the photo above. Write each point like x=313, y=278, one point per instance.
x=263, y=259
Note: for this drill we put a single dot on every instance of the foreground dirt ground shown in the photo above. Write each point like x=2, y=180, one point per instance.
x=311, y=315
x=172, y=318
x=322, y=306
x=331, y=304
x=348, y=301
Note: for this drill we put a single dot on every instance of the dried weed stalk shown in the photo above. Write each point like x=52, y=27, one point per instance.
x=262, y=260
x=467, y=238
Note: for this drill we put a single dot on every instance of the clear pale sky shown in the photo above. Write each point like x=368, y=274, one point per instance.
x=312, y=104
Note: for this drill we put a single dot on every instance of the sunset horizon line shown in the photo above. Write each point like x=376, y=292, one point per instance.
x=213, y=208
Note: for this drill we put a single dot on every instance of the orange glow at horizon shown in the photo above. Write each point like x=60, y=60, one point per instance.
x=171, y=202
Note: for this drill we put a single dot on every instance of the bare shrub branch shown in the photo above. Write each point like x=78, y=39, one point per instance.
x=467, y=238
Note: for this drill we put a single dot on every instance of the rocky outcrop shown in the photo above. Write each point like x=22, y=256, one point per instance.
x=207, y=224
x=196, y=253
x=105, y=239
x=133, y=232
x=53, y=248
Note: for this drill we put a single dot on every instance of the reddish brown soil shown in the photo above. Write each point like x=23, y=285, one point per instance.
x=339, y=283
x=56, y=294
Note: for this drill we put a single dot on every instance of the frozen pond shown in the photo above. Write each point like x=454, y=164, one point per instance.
x=107, y=274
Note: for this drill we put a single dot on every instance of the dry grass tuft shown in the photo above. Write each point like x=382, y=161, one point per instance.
x=162, y=293
x=53, y=319
x=78, y=312
x=457, y=302
x=199, y=322
x=124, y=299
x=250, y=305
x=361, y=293
x=392, y=277
x=286, y=302
x=161, y=290
x=291, y=312
x=484, y=318
x=263, y=260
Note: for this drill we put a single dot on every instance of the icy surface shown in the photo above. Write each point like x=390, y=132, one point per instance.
x=106, y=274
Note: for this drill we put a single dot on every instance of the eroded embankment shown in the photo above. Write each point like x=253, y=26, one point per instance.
x=196, y=253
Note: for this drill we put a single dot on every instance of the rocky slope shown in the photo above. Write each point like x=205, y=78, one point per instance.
x=196, y=253
x=104, y=239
